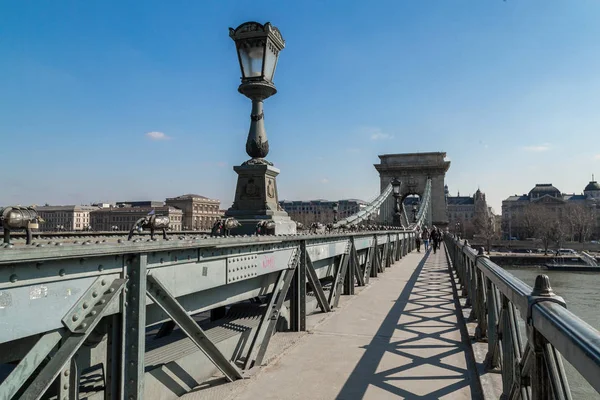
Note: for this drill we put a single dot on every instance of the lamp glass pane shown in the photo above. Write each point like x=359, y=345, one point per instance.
x=251, y=58
x=270, y=61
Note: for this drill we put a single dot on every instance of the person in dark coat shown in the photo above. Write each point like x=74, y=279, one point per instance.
x=435, y=239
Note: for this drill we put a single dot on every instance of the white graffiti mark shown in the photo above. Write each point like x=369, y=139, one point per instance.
x=5, y=300
x=37, y=292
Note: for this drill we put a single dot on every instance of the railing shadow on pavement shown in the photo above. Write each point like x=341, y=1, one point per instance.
x=426, y=311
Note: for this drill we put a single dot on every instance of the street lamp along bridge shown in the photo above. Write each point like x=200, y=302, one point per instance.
x=118, y=313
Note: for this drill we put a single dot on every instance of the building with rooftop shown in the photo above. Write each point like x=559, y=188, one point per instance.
x=199, y=212
x=64, y=218
x=310, y=211
x=123, y=218
x=465, y=210
x=142, y=203
x=514, y=223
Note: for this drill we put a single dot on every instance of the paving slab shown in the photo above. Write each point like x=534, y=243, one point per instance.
x=399, y=338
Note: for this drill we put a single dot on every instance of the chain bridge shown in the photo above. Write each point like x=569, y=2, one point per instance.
x=162, y=319
x=349, y=310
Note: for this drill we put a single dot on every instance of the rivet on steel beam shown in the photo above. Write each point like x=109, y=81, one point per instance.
x=94, y=312
x=66, y=386
x=66, y=372
x=13, y=278
x=75, y=317
x=102, y=301
x=103, y=282
x=62, y=272
x=95, y=294
x=100, y=267
x=85, y=305
x=83, y=326
x=111, y=290
x=126, y=304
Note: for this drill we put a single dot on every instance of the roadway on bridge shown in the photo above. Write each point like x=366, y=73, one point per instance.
x=399, y=338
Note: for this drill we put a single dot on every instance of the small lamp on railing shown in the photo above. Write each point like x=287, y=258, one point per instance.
x=396, y=194
x=414, y=212
x=335, y=212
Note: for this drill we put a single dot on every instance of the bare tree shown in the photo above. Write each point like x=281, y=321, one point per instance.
x=485, y=227
x=530, y=220
x=580, y=220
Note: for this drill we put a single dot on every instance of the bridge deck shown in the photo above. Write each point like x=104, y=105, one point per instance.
x=399, y=338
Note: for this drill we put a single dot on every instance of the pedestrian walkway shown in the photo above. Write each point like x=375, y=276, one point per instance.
x=399, y=338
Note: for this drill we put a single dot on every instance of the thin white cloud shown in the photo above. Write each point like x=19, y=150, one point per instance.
x=381, y=136
x=157, y=136
x=376, y=133
x=324, y=180
x=537, y=149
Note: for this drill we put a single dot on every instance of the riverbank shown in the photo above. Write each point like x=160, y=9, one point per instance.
x=532, y=260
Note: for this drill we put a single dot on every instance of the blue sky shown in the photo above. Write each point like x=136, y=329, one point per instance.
x=509, y=89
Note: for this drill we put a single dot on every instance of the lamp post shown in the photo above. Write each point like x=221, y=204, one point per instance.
x=414, y=212
x=256, y=199
x=335, y=212
x=457, y=229
x=258, y=48
x=396, y=194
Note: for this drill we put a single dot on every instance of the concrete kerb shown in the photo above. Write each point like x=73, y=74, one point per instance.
x=490, y=381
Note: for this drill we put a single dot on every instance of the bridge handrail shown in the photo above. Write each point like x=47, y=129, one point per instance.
x=552, y=330
x=29, y=253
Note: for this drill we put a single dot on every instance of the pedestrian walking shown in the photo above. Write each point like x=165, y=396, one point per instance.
x=425, y=236
x=434, y=239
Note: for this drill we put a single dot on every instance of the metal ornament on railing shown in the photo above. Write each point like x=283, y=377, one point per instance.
x=15, y=217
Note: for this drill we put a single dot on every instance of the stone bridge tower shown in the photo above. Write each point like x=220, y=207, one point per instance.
x=413, y=169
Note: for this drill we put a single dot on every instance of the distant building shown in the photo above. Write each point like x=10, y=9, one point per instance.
x=143, y=203
x=64, y=218
x=103, y=205
x=310, y=211
x=123, y=218
x=464, y=211
x=545, y=194
x=199, y=212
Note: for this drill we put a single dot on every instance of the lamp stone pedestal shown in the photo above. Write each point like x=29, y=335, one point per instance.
x=256, y=200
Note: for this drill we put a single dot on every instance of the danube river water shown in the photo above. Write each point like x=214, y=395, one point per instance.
x=581, y=292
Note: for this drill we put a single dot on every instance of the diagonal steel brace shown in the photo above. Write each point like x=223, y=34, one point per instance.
x=165, y=300
x=313, y=279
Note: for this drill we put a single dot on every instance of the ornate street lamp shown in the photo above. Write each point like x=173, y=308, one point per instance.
x=256, y=198
x=335, y=211
x=258, y=48
x=414, y=212
x=396, y=194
